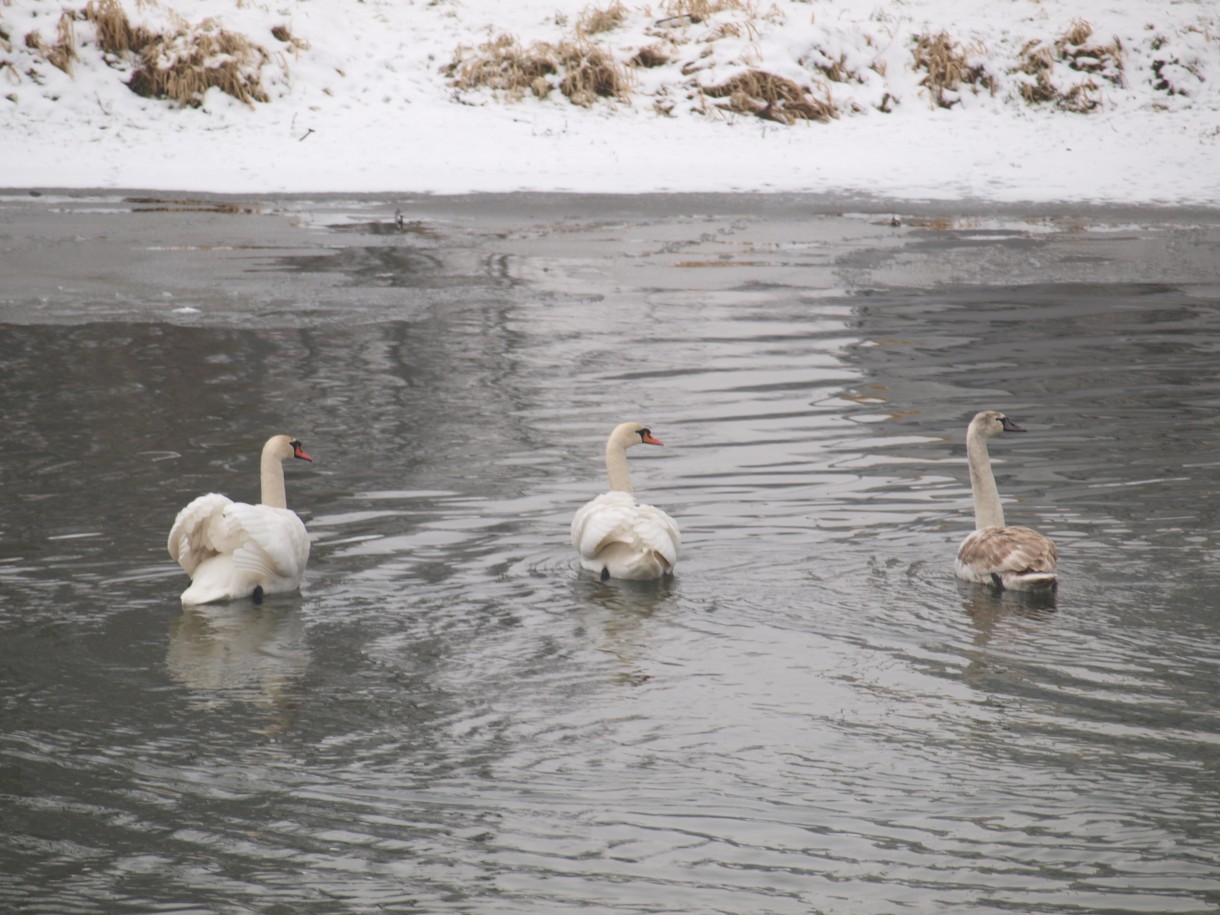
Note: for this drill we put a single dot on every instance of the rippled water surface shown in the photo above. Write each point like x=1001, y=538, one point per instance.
x=813, y=716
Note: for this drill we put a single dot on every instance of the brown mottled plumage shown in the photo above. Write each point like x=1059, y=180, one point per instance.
x=1006, y=557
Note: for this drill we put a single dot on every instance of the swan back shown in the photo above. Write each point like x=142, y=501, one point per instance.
x=1015, y=558
x=623, y=538
x=617, y=536
x=233, y=550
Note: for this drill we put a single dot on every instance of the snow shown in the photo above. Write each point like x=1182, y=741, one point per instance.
x=359, y=100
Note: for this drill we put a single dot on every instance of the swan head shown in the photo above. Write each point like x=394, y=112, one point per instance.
x=283, y=447
x=627, y=434
x=992, y=422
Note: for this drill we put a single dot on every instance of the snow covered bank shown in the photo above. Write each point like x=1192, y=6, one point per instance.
x=1009, y=101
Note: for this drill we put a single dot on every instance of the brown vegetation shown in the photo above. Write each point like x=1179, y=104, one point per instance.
x=1072, y=49
x=595, y=20
x=167, y=205
x=683, y=12
x=591, y=73
x=503, y=65
x=771, y=97
x=948, y=69
x=581, y=70
x=187, y=65
x=284, y=34
x=653, y=55
x=179, y=65
x=115, y=33
x=63, y=51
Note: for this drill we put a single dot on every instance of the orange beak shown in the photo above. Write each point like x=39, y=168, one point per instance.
x=298, y=452
x=650, y=440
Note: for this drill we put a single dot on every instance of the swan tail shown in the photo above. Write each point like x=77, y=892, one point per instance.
x=623, y=561
x=214, y=580
x=1029, y=581
x=620, y=538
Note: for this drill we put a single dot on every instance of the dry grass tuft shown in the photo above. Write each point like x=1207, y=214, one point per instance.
x=948, y=69
x=594, y=21
x=654, y=55
x=183, y=65
x=771, y=97
x=1073, y=49
x=284, y=34
x=1173, y=77
x=694, y=11
x=1105, y=60
x=186, y=65
x=1078, y=33
x=1037, y=61
x=63, y=51
x=1080, y=98
x=503, y=65
x=579, y=69
x=115, y=33
x=836, y=69
x=591, y=73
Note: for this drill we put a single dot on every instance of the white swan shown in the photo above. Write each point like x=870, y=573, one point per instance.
x=1005, y=557
x=233, y=550
x=617, y=536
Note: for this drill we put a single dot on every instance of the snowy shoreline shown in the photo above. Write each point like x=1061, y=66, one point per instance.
x=383, y=204
x=367, y=99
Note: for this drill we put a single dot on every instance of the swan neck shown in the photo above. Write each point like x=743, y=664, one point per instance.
x=987, y=509
x=273, y=481
x=616, y=467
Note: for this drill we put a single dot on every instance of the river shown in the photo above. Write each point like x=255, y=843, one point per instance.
x=813, y=715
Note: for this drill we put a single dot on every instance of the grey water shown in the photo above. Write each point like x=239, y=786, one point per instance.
x=812, y=716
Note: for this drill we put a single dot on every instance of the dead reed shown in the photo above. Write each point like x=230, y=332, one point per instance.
x=582, y=71
x=591, y=73
x=948, y=69
x=771, y=97
x=115, y=33
x=1073, y=50
x=63, y=51
x=679, y=12
x=180, y=65
x=502, y=65
x=653, y=55
x=595, y=20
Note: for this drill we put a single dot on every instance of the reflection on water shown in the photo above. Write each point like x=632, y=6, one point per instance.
x=239, y=652
x=614, y=616
x=814, y=715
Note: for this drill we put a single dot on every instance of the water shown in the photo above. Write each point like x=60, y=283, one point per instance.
x=813, y=716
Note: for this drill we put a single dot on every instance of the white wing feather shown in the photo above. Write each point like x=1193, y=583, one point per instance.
x=239, y=547
x=631, y=539
x=199, y=531
x=273, y=543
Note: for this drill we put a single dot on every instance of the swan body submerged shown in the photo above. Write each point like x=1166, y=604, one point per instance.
x=232, y=550
x=995, y=554
x=617, y=536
